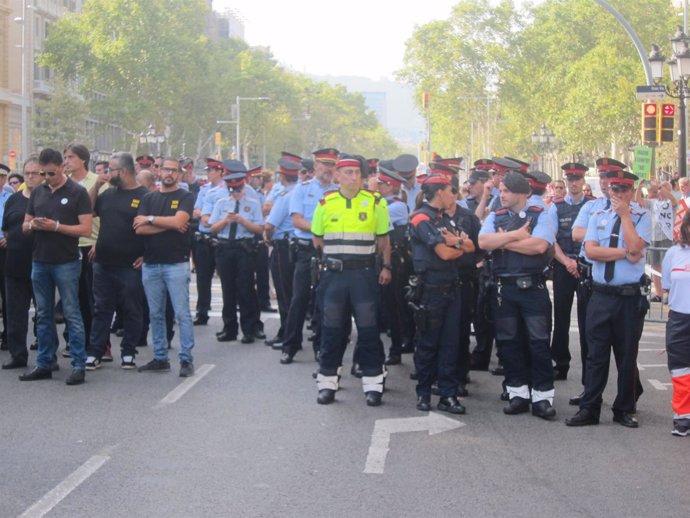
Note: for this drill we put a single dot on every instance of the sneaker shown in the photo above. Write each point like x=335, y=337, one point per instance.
x=156, y=366
x=186, y=369
x=680, y=430
x=108, y=354
x=93, y=363
x=128, y=362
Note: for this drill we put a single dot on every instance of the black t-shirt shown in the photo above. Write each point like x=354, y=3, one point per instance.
x=118, y=244
x=169, y=246
x=19, y=245
x=64, y=205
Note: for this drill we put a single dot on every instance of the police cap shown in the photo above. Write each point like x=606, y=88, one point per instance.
x=406, y=164
x=516, y=183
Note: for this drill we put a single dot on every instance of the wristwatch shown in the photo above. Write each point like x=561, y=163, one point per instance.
x=387, y=266
x=149, y=220
x=458, y=245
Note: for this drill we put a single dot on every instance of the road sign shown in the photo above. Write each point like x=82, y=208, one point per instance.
x=669, y=110
x=650, y=92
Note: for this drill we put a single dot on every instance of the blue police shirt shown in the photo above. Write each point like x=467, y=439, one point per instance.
x=4, y=195
x=280, y=217
x=212, y=196
x=537, y=201
x=412, y=193
x=585, y=214
x=599, y=230
x=397, y=211
x=275, y=192
x=249, y=210
x=304, y=199
x=542, y=229
x=199, y=204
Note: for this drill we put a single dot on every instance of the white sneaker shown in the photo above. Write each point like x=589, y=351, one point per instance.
x=128, y=362
x=93, y=363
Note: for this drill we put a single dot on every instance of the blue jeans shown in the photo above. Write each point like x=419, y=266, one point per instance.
x=65, y=277
x=175, y=278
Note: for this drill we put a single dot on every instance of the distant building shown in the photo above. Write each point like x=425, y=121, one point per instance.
x=376, y=102
x=224, y=25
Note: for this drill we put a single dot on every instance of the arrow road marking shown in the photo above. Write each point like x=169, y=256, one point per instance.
x=659, y=385
x=383, y=428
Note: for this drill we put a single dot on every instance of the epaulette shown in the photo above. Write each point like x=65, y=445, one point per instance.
x=535, y=208
x=501, y=211
x=418, y=218
x=558, y=200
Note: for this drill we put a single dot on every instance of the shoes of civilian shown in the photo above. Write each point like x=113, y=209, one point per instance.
x=120, y=333
x=226, y=337
x=286, y=358
x=128, y=362
x=200, y=320
x=186, y=369
x=247, y=339
x=4, y=346
x=156, y=366
x=77, y=377
x=66, y=353
x=14, y=363
x=33, y=346
x=393, y=359
x=497, y=371
x=93, y=363
x=584, y=417
x=275, y=340
x=462, y=391
x=680, y=430
x=54, y=367
x=260, y=334
x=37, y=373
x=108, y=354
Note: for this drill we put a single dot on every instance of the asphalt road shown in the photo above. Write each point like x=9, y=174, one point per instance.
x=248, y=439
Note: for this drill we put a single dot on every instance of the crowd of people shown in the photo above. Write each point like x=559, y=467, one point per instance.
x=417, y=254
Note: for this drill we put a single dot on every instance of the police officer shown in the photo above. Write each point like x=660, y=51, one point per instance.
x=476, y=182
x=399, y=315
x=349, y=226
x=436, y=245
x=520, y=235
x=204, y=255
x=563, y=213
x=235, y=220
x=303, y=202
x=406, y=166
x=280, y=231
x=538, y=181
x=615, y=243
x=255, y=181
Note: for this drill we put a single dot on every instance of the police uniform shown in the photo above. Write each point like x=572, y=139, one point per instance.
x=282, y=268
x=303, y=201
x=406, y=166
x=263, y=289
x=235, y=258
x=537, y=181
x=615, y=313
x=398, y=314
x=522, y=308
x=204, y=255
x=563, y=214
x=349, y=228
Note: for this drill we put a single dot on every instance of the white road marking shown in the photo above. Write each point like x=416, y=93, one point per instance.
x=383, y=428
x=642, y=367
x=69, y=484
x=659, y=385
x=184, y=387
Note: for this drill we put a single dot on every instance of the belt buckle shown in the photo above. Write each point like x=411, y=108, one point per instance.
x=524, y=282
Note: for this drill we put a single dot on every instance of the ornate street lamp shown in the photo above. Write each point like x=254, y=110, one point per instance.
x=544, y=141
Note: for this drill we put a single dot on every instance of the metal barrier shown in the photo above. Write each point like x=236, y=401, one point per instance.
x=658, y=311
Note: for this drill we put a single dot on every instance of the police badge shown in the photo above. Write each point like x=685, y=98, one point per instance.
x=362, y=216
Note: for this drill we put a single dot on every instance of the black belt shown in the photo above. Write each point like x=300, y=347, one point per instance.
x=518, y=279
x=230, y=242
x=307, y=243
x=335, y=265
x=281, y=243
x=624, y=290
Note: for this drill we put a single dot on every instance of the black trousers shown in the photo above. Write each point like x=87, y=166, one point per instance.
x=564, y=288
x=397, y=314
x=467, y=293
x=236, y=269
x=282, y=270
x=483, y=321
x=263, y=289
x=19, y=290
x=523, y=327
x=3, y=295
x=613, y=322
x=301, y=288
x=205, y=265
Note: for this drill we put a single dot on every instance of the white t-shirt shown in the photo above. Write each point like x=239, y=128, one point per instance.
x=675, y=276
x=663, y=215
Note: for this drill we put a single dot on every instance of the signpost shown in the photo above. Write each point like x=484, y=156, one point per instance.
x=650, y=93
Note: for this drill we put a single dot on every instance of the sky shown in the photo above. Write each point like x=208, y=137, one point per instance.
x=358, y=37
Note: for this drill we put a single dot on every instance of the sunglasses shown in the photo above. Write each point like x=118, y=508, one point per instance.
x=47, y=173
x=14, y=182
x=620, y=188
x=169, y=170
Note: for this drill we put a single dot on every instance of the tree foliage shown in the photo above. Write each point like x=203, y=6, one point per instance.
x=153, y=64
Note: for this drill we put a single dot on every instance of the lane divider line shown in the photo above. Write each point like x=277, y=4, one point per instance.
x=184, y=387
x=69, y=484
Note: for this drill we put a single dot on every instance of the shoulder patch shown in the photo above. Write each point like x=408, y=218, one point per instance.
x=501, y=211
x=535, y=208
x=418, y=218
x=322, y=201
x=329, y=194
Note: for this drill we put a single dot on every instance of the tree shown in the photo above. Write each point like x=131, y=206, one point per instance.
x=61, y=118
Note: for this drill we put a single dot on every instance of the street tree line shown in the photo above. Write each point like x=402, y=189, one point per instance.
x=132, y=63
x=496, y=73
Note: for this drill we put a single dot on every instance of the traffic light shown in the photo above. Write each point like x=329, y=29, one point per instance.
x=425, y=100
x=668, y=115
x=650, y=113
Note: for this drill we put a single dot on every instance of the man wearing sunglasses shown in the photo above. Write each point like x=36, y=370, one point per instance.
x=58, y=214
x=615, y=242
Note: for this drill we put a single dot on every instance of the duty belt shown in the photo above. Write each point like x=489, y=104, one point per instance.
x=280, y=243
x=307, y=243
x=624, y=290
x=236, y=242
x=338, y=265
x=520, y=280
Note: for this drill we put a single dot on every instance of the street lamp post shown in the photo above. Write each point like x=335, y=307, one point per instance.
x=237, y=120
x=679, y=67
x=544, y=140
x=24, y=121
